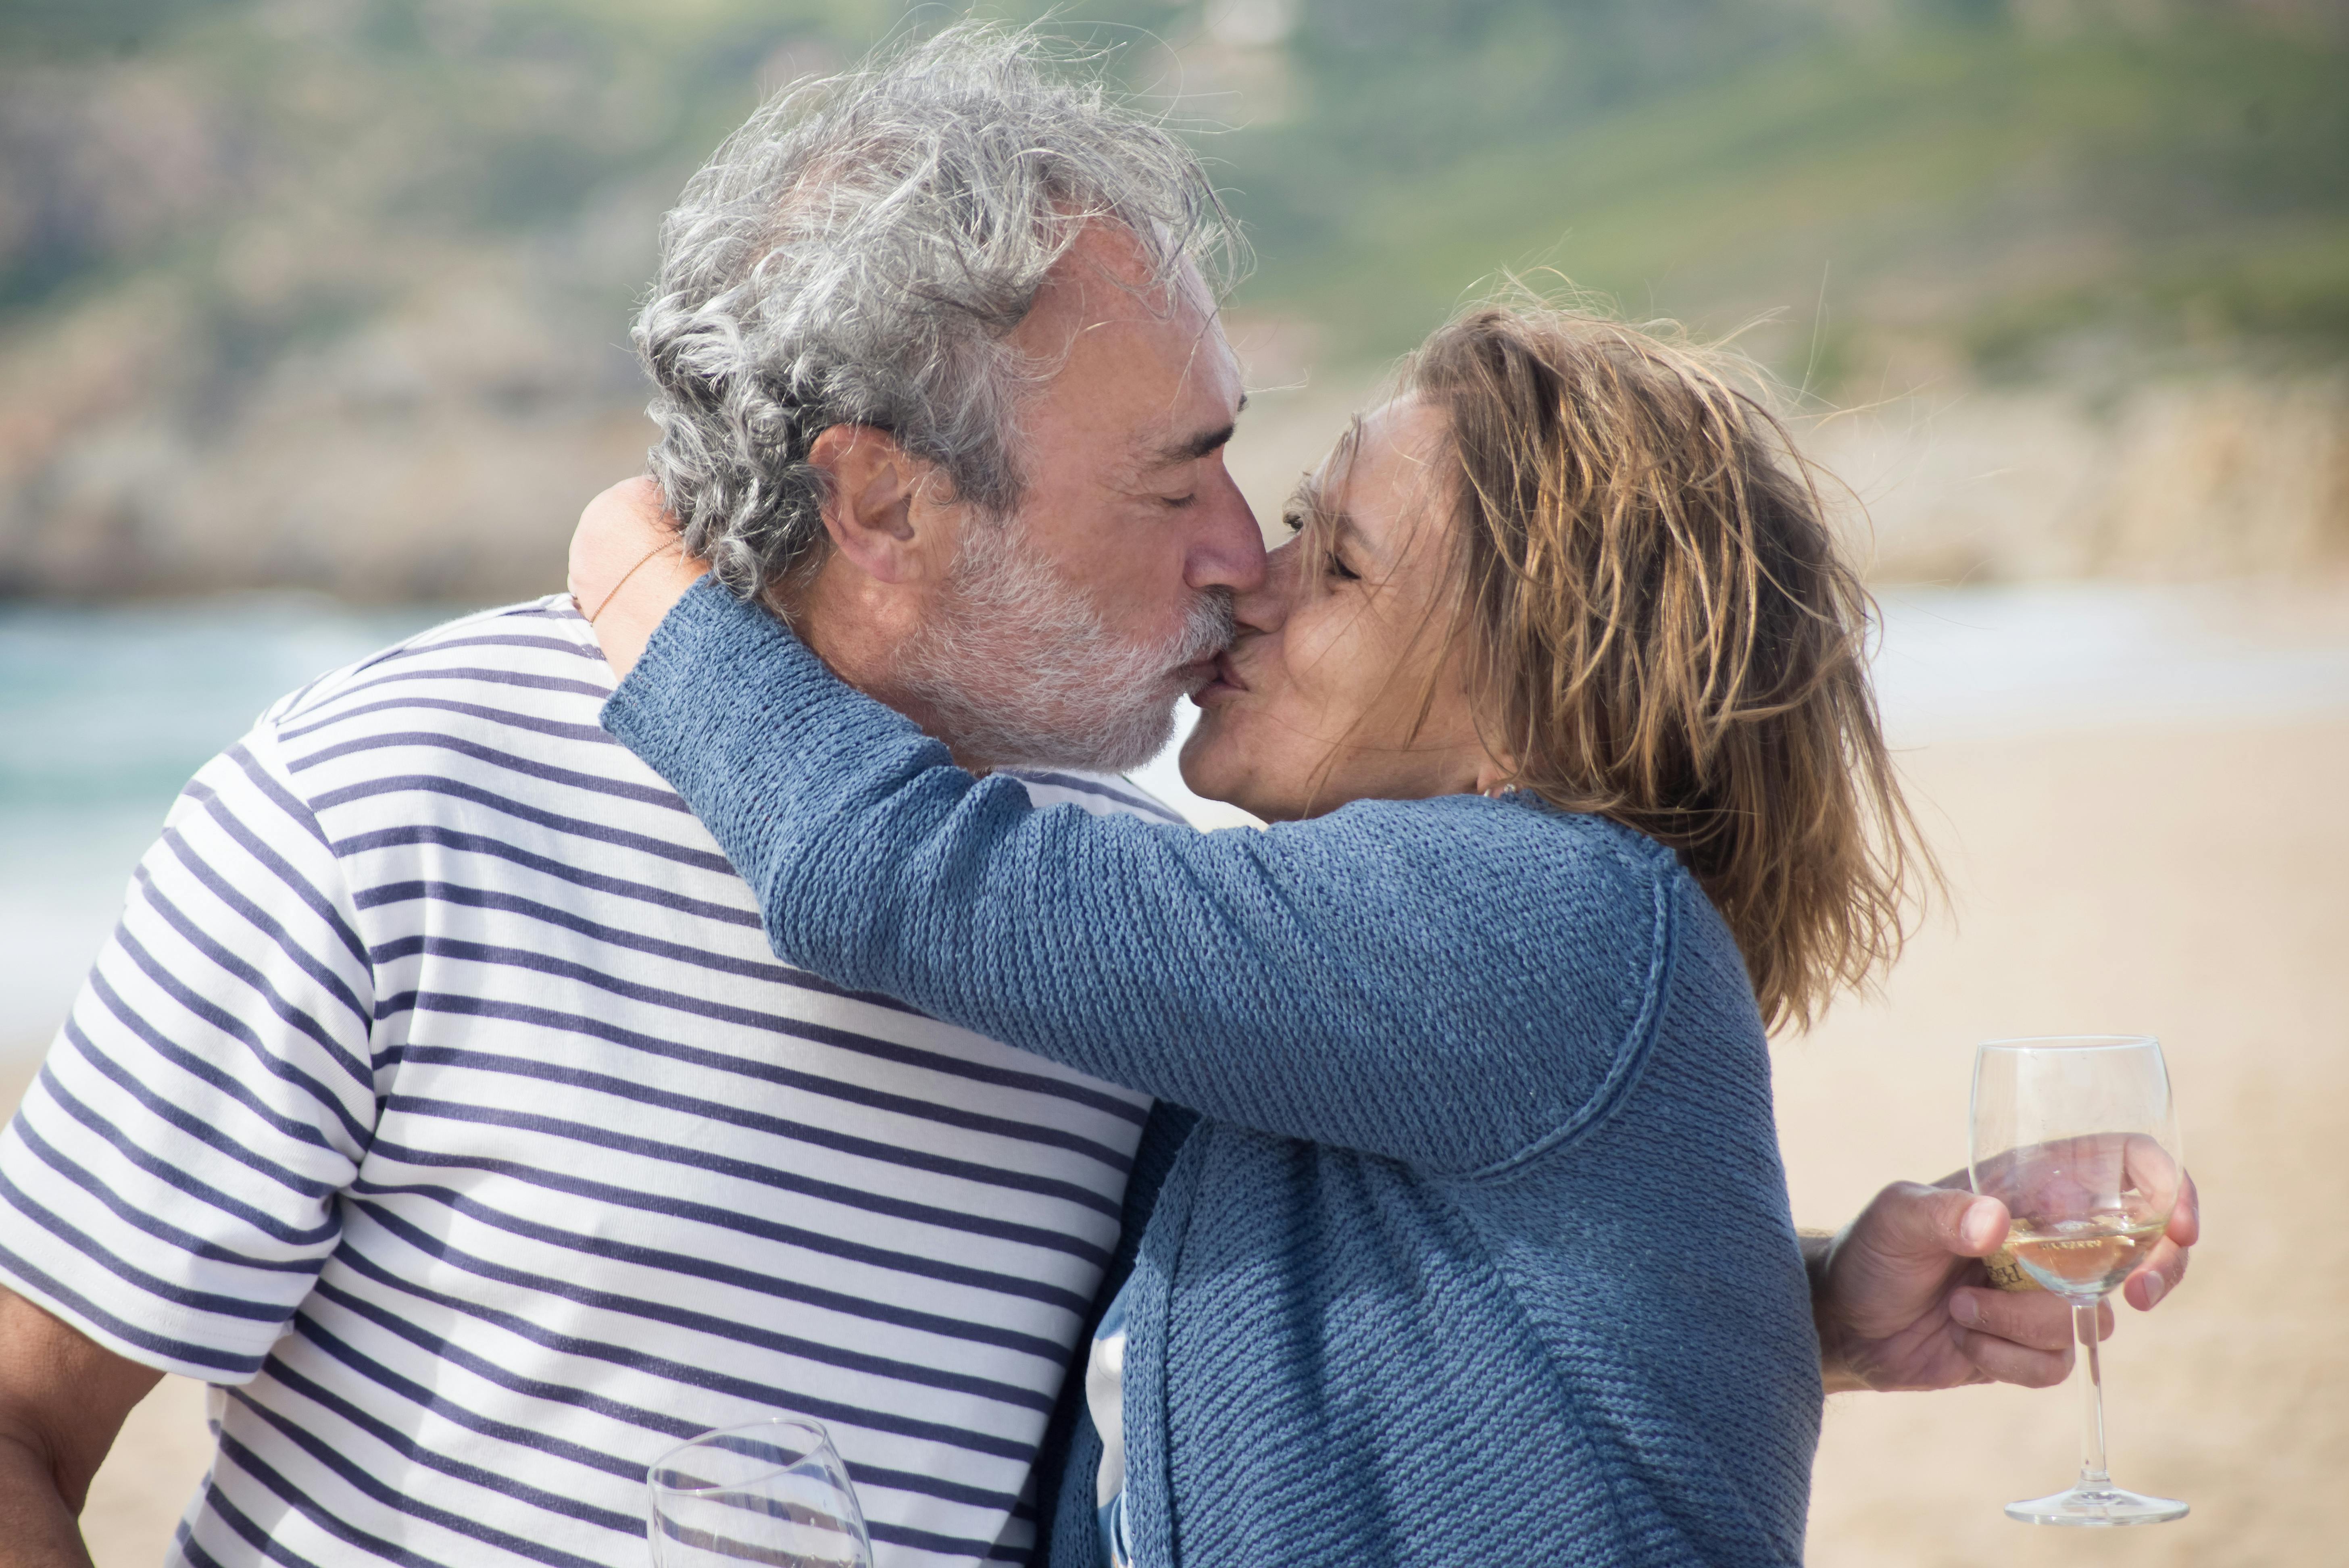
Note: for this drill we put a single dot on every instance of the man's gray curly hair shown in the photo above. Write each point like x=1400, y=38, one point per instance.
x=858, y=253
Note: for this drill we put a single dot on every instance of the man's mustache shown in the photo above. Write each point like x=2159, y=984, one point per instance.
x=1208, y=628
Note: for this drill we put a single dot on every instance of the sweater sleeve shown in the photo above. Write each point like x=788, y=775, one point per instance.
x=1321, y=980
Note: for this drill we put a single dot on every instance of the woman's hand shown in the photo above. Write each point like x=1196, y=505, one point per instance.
x=628, y=569
x=1901, y=1303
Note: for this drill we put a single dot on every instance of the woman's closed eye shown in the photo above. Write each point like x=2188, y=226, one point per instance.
x=1334, y=565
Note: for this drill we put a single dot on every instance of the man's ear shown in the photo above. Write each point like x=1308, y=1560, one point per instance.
x=881, y=514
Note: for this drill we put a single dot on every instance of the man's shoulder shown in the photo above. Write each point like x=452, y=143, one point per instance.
x=540, y=643
x=1101, y=794
x=503, y=705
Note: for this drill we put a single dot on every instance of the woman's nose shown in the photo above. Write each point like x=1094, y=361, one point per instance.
x=1265, y=607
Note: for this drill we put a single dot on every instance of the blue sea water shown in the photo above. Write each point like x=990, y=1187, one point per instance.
x=105, y=712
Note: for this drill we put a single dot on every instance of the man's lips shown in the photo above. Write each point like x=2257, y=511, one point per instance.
x=1224, y=677
x=1196, y=676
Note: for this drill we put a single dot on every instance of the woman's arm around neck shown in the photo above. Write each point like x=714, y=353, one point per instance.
x=1400, y=979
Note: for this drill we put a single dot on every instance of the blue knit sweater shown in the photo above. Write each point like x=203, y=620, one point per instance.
x=1479, y=1252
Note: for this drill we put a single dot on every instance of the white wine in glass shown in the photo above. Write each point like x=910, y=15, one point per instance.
x=773, y=1494
x=2078, y=1136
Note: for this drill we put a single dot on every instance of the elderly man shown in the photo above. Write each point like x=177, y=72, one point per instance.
x=437, y=1099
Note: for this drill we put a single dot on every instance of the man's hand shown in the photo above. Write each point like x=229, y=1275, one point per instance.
x=63, y=1397
x=628, y=570
x=1902, y=1301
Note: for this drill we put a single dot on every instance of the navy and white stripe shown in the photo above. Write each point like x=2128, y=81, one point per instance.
x=439, y=1100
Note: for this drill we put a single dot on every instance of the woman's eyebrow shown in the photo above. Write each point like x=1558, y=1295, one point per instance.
x=1336, y=524
x=1306, y=502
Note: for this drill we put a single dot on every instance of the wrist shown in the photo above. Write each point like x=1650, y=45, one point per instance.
x=1818, y=1248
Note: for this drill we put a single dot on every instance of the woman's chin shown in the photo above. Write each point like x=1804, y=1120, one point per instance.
x=1210, y=762
x=1219, y=763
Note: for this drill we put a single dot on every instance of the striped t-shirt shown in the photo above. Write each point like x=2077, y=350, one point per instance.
x=439, y=1100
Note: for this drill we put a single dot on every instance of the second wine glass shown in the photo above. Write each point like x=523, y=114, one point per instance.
x=774, y=1494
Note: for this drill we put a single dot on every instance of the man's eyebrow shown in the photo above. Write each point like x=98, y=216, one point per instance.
x=1196, y=446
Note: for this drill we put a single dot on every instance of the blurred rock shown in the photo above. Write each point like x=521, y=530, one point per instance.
x=2218, y=475
x=437, y=449
x=334, y=294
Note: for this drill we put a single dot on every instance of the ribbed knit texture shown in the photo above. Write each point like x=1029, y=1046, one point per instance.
x=1480, y=1252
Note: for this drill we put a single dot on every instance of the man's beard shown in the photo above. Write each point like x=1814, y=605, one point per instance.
x=1019, y=669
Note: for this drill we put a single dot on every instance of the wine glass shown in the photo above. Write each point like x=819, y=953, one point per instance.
x=2078, y=1136
x=773, y=1493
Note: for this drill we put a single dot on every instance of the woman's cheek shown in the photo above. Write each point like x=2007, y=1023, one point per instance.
x=1314, y=658
x=1334, y=672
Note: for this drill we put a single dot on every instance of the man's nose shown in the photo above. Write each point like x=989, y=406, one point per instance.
x=1228, y=551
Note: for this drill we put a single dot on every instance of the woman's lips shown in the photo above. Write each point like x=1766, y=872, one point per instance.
x=1227, y=682
x=1193, y=679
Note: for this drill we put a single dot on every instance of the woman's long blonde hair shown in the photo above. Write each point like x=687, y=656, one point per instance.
x=1661, y=630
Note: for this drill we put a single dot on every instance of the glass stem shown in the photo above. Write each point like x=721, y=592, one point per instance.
x=2093, y=1473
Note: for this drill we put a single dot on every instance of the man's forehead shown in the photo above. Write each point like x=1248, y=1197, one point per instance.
x=1108, y=279
x=1137, y=370
x=1196, y=415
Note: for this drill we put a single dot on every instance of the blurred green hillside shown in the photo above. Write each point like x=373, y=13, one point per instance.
x=336, y=292
x=350, y=140
x=1978, y=189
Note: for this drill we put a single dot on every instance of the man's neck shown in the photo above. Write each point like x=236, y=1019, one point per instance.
x=860, y=629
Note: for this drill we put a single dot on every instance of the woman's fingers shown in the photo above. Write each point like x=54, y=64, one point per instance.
x=616, y=530
x=2186, y=1219
x=628, y=567
x=2160, y=1273
x=2004, y=1361
x=2033, y=1319
x=2018, y=1336
x=2164, y=1268
x=1926, y=1226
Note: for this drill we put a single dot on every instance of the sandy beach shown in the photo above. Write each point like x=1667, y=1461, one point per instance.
x=2180, y=880
x=2182, y=883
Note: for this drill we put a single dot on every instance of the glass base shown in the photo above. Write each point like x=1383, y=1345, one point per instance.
x=2097, y=1505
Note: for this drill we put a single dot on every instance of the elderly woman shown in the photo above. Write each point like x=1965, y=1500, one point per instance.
x=1477, y=1248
